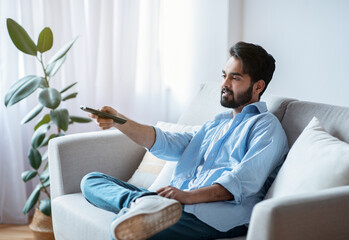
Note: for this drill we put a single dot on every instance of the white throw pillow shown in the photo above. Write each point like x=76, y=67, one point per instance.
x=147, y=171
x=316, y=161
x=165, y=176
x=154, y=172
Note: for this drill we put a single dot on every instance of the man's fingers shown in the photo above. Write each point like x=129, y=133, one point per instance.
x=162, y=192
x=104, y=120
x=166, y=192
x=105, y=109
x=163, y=189
x=105, y=125
x=108, y=110
x=92, y=116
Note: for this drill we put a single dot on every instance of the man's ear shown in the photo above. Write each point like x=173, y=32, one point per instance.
x=259, y=86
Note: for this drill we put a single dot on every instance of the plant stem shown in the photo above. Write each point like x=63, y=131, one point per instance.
x=43, y=187
x=44, y=69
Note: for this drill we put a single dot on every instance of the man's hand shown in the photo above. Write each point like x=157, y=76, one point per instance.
x=105, y=123
x=213, y=193
x=175, y=193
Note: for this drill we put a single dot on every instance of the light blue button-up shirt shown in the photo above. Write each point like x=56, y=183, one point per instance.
x=244, y=160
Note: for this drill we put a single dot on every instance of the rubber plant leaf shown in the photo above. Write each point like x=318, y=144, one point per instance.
x=53, y=67
x=45, y=206
x=48, y=138
x=44, y=119
x=32, y=114
x=44, y=175
x=34, y=158
x=20, y=38
x=32, y=200
x=72, y=95
x=80, y=119
x=46, y=183
x=60, y=117
x=39, y=135
x=67, y=88
x=21, y=89
x=50, y=98
x=45, y=156
x=62, y=52
x=27, y=175
x=45, y=40
x=44, y=83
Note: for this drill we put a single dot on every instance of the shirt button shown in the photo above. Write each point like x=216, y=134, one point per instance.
x=188, y=175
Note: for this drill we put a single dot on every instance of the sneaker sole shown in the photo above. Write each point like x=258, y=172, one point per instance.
x=145, y=225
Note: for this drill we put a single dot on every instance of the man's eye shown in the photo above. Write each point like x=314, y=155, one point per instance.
x=223, y=76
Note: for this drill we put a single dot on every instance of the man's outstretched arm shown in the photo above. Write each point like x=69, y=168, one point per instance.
x=143, y=135
x=213, y=193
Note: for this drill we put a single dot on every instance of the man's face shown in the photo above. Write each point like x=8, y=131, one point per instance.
x=236, y=87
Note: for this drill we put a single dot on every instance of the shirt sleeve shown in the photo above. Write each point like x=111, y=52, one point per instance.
x=266, y=148
x=170, y=145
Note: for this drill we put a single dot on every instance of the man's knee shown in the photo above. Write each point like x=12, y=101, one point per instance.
x=88, y=179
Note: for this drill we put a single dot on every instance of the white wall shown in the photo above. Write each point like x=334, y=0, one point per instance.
x=309, y=40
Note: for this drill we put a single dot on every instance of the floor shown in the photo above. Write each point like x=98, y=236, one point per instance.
x=15, y=232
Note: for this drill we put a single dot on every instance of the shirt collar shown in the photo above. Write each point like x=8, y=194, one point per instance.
x=259, y=107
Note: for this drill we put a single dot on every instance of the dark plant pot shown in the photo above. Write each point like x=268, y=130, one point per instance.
x=41, y=226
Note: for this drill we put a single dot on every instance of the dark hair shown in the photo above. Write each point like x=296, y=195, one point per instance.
x=255, y=61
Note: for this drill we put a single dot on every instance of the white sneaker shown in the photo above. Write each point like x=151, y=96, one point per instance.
x=146, y=216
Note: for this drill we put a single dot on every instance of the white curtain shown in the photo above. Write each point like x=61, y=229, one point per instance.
x=145, y=58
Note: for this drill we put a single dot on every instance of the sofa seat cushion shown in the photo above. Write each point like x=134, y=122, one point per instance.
x=316, y=161
x=75, y=218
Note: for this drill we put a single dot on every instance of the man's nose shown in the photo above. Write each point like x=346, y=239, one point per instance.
x=225, y=83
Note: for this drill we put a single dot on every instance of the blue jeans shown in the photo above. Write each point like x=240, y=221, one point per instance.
x=112, y=194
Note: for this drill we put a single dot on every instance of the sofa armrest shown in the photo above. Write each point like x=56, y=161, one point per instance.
x=321, y=215
x=73, y=156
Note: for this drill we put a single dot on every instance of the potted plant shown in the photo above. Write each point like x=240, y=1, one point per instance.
x=49, y=99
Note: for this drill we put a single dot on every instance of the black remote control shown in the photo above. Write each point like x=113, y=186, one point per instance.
x=101, y=114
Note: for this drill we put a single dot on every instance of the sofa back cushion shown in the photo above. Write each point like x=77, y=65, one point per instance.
x=277, y=105
x=334, y=119
x=206, y=104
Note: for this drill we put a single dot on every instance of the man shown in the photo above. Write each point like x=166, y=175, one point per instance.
x=223, y=170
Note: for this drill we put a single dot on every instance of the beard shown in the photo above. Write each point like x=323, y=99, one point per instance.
x=241, y=99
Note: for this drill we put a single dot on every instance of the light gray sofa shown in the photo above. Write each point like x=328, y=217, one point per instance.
x=320, y=215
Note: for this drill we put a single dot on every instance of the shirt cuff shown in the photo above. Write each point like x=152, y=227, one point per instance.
x=157, y=146
x=233, y=185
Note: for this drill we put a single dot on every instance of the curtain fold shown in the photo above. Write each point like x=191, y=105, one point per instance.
x=144, y=58
x=13, y=147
